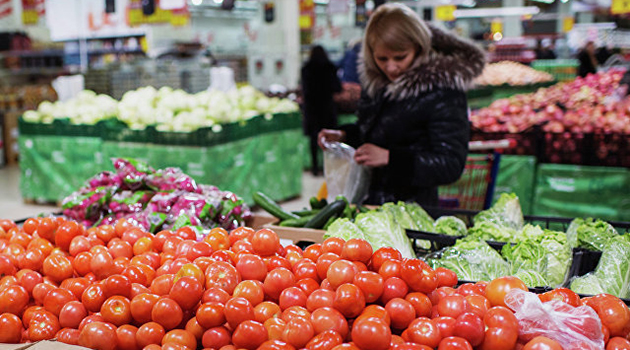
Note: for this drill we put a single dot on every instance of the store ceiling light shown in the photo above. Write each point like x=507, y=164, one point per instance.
x=197, y=2
x=217, y=1
x=497, y=12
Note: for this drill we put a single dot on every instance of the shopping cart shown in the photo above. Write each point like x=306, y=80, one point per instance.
x=475, y=188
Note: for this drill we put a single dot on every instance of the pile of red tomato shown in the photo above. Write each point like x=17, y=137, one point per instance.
x=119, y=287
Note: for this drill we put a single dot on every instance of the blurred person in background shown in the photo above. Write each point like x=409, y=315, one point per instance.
x=412, y=127
x=319, y=84
x=544, y=51
x=588, y=61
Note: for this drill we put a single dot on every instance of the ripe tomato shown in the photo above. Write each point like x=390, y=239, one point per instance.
x=167, y=313
x=446, y=325
x=251, y=267
x=478, y=305
x=47, y=228
x=65, y=233
x=195, y=328
x=420, y=303
x=81, y=263
x=312, y=252
x=424, y=332
x=323, y=263
x=222, y=275
x=320, y=298
x=357, y=249
x=613, y=313
x=78, y=245
x=497, y=338
x=390, y=268
x=43, y=326
x=500, y=317
x=218, y=238
x=470, y=327
x=333, y=245
x=117, y=310
x=542, y=343
x=32, y=258
x=102, y=264
x=446, y=277
x=182, y=337
x=618, y=343
x=57, y=267
x=215, y=294
x=371, y=333
x=238, y=310
x=453, y=306
x=68, y=336
x=76, y=286
x=216, y=338
x=249, y=334
x=266, y=310
x=419, y=276
x=292, y=296
x=327, y=318
x=210, y=314
x=454, y=343
x=393, y=287
x=383, y=254
x=93, y=297
x=349, y=300
x=117, y=285
x=162, y=285
x=498, y=288
x=563, y=294
x=293, y=312
x=187, y=292
x=306, y=268
x=401, y=313
x=71, y=314
x=13, y=299
x=265, y=242
x=11, y=326
x=251, y=290
x=324, y=340
x=278, y=280
x=298, y=331
x=98, y=335
x=149, y=333
x=126, y=337
x=307, y=285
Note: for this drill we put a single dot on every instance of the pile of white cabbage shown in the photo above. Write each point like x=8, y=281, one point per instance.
x=167, y=109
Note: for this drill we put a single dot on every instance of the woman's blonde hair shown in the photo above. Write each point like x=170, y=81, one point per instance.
x=399, y=28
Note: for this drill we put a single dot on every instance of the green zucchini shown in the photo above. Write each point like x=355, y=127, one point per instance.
x=306, y=212
x=318, y=203
x=320, y=219
x=296, y=222
x=270, y=206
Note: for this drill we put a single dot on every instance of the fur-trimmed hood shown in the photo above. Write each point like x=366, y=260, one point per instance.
x=452, y=63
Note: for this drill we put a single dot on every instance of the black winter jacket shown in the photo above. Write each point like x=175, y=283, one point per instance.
x=421, y=118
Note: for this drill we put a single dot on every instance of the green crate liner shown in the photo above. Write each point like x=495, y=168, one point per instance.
x=118, y=131
x=176, y=138
x=280, y=122
x=582, y=191
x=480, y=91
x=27, y=128
x=517, y=175
x=65, y=128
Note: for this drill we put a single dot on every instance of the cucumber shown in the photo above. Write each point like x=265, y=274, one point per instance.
x=270, y=206
x=318, y=203
x=330, y=221
x=320, y=219
x=296, y=222
x=306, y=212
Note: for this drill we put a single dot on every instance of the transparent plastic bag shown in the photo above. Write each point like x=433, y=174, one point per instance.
x=343, y=175
x=572, y=327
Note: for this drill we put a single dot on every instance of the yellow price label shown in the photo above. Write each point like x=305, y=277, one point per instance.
x=496, y=26
x=306, y=22
x=619, y=7
x=567, y=24
x=179, y=20
x=30, y=17
x=445, y=13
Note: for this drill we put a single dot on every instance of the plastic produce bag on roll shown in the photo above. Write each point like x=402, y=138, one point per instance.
x=572, y=327
x=343, y=175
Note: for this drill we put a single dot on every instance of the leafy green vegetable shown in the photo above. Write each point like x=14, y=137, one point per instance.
x=344, y=228
x=590, y=234
x=588, y=284
x=473, y=260
x=559, y=257
x=531, y=278
x=525, y=256
x=491, y=231
x=402, y=217
x=381, y=230
x=423, y=221
x=529, y=232
x=505, y=212
x=450, y=225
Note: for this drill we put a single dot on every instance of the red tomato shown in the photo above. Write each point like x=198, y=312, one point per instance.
x=307, y=285
x=117, y=310
x=187, y=292
x=454, y=343
x=401, y=313
x=149, y=333
x=497, y=338
x=102, y=264
x=98, y=335
x=218, y=238
x=424, y=332
x=216, y=338
x=500, y=317
x=357, y=249
x=162, y=285
x=275, y=328
x=278, y=280
x=613, y=313
x=618, y=343
x=393, y=287
x=71, y=314
x=68, y=336
x=65, y=233
x=266, y=310
x=446, y=325
x=499, y=287
x=298, y=331
x=182, y=337
x=371, y=334
x=249, y=334
x=13, y=299
x=470, y=327
x=215, y=294
x=120, y=248
x=293, y=312
x=419, y=276
x=320, y=298
x=91, y=318
x=478, y=305
x=251, y=267
x=383, y=254
x=375, y=311
x=57, y=267
x=349, y=300
x=141, y=306
x=265, y=242
x=126, y=337
x=222, y=275
x=167, y=313
x=390, y=268
x=251, y=290
x=340, y=272
x=43, y=326
x=32, y=258
x=117, y=285
x=76, y=286
x=312, y=252
x=306, y=268
x=323, y=263
x=563, y=294
x=327, y=318
x=292, y=296
x=333, y=245
x=542, y=343
x=11, y=326
x=325, y=340
x=446, y=277
x=453, y=306
x=370, y=283
x=238, y=310
x=81, y=263
x=420, y=303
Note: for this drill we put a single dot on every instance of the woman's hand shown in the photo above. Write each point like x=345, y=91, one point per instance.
x=372, y=156
x=330, y=135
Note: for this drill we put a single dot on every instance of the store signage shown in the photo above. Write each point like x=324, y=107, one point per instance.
x=445, y=13
x=30, y=14
x=496, y=26
x=6, y=8
x=567, y=24
x=176, y=17
x=307, y=14
x=619, y=7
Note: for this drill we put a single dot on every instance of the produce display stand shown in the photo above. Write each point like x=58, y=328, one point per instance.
x=264, y=152
x=483, y=96
x=561, y=69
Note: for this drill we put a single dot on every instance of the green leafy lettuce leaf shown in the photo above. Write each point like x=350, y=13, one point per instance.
x=491, y=231
x=423, y=221
x=525, y=256
x=505, y=212
x=450, y=225
x=344, y=228
x=590, y=234
x=613, y=269
x=588, y=284
x=473, y=260
x=381, y=230
x=559, y=257
x=531, y=278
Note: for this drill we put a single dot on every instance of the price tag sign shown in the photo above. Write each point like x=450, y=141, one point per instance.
x=445, y=13
x=496, y=26
x=619, y=7
x=567, y=24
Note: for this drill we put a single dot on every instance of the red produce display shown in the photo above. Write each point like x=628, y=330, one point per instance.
x=330, y=296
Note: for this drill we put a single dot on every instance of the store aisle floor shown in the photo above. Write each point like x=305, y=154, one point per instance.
x=12, y=205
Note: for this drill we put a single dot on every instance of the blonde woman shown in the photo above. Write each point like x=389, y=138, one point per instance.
x=413, y=116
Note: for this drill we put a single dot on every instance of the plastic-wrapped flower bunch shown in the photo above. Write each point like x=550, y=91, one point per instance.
x=164, y=199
